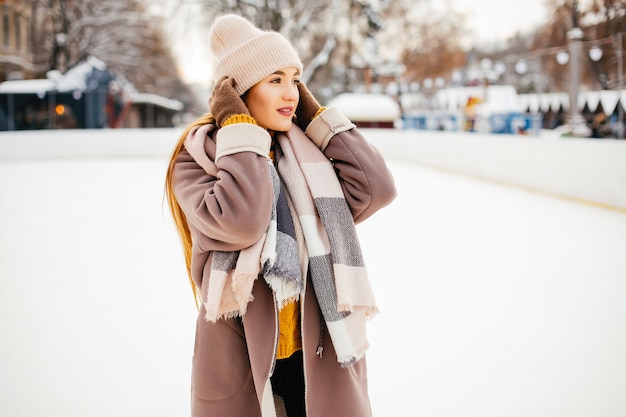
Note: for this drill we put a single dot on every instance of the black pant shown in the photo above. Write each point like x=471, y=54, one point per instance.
x=288, y=383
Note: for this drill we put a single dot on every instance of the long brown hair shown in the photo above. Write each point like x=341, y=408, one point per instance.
x=180, y=219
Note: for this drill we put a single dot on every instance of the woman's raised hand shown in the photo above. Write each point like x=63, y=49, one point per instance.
x=225, y=102
x=307, y=107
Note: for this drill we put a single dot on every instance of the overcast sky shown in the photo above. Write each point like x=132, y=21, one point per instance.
x=499, y=19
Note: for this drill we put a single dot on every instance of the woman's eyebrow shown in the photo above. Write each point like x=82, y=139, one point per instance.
x=279, y=72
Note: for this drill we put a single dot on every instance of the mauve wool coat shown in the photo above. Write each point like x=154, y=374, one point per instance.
x=234, y=358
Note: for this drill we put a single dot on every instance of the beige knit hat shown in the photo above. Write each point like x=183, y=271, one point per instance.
x=247, y=53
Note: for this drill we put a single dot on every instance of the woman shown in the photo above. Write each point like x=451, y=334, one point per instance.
x=266, y=210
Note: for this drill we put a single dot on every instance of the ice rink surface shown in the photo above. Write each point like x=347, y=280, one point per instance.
x=495, y=301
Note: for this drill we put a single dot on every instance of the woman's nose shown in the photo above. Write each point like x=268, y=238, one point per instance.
x=291, y=92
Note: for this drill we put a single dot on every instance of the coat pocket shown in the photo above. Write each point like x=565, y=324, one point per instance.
x=221, y=367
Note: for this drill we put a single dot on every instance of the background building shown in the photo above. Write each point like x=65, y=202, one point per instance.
x=15, y=40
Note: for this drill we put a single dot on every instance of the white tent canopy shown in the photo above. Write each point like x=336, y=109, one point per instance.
x=553, y=101
x=503, y=99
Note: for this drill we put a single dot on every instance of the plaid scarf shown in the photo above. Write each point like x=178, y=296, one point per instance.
x=335, y=261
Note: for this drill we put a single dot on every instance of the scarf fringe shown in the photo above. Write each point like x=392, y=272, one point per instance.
x=368, y=311
x=283, y=303
x=348, y=360
x=285, y=292
x=227, y=315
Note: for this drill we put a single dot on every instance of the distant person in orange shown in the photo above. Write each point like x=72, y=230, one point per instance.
x=470, y=113
x=265, y=192
x=600, y=127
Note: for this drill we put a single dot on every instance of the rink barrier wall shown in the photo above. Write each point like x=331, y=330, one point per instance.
x=95, y=143
x=592, y=170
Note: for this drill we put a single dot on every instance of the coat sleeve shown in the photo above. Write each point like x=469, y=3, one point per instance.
x=366, y=181
x=231, y=208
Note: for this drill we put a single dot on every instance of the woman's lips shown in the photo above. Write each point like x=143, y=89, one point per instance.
x=285, y=111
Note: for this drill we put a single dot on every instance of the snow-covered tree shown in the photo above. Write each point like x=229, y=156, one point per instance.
x=118, y=32
x=427, y=36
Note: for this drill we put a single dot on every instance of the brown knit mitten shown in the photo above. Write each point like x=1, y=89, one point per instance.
x=226, y=105
x=308, y=107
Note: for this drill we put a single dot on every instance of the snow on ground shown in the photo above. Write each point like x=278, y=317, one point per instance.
x=495, y=301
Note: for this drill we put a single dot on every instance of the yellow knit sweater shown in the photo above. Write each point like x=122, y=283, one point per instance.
x=289, y=340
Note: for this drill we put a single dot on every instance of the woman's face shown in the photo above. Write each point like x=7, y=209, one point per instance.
x=273, y=100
